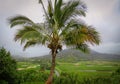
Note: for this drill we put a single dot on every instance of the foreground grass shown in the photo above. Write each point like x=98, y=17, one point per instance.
x=83, y=70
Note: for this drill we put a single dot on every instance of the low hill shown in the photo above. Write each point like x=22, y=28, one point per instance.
x=76, y=55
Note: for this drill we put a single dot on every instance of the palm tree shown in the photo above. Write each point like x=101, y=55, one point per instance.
x=61, y=27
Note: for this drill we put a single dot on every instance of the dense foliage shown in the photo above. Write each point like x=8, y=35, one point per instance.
x=8, y=72
x=32, y=76
x=60, y=26
x=36, y=77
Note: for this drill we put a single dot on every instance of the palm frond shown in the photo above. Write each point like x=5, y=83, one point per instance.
x=83, y=47
x=73, y=23
x=29, y=33
x=93, y=36
x=82, y=34
x=50, y=13
x=60, y=27
x=21, y=32
x=40, y=1
x=71, y=9
x=57, y=10
x=19, y=20
x=50, y=9
x=29, y=43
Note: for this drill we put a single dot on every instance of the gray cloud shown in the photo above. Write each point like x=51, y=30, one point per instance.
x=102, y=14
x=9, y=8
x=105, y=16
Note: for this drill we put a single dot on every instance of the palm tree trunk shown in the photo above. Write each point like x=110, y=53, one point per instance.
x=50, y=78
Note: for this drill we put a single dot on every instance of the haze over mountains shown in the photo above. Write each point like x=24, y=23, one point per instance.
x=73, y=54
x=103, y=18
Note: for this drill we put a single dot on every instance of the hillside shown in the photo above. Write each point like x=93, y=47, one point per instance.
x=76, y=55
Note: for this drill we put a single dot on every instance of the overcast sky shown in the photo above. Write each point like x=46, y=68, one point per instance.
x=104, y=15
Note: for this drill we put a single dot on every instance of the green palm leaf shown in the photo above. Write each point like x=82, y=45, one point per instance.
x=19, y=20
x=60, y=28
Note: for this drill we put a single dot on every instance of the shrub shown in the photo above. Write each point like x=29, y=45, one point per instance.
x=67, y=78
x=115, y=77
x=8, y=72
x=32, y=76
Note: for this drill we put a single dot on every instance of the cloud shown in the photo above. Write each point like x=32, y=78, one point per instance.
x=105, y=18
x=104, y=15
x=113, y=48
x=29, y=8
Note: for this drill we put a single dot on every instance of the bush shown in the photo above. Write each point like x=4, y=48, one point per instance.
x=67, y=78
x=71, y=78
x=116, y=76
x=32, y=76
x=8, y=72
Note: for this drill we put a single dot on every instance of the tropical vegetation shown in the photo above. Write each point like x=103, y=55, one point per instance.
x=8, y=68
x=62, y=26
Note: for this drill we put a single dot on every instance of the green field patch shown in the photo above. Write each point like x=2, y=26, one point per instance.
x=84, y=69
x=27, y=65
x=87, y=70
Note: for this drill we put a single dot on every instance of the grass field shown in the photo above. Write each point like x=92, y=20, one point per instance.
x=83, y=68
x=32, y=74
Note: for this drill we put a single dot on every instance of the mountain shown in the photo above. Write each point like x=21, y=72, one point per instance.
x=20, y=58
x=76, y=55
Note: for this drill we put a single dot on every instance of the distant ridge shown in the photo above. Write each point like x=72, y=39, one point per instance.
x=78, y=55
